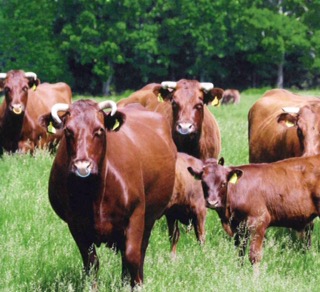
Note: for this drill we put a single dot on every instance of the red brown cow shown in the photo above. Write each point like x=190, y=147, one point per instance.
x=194, y=129
x=112, y=178
x=255, y=197
x=283, y=125
x=23, y=104
x=231, y=96
x=187, y=203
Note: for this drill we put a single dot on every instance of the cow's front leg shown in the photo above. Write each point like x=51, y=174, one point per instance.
x=131, y=258
x=87, y=250
x=257, y=228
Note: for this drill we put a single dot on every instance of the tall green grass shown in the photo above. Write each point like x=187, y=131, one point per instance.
x=37, y=252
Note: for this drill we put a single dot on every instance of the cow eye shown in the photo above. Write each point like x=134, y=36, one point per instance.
x=223, y=185
x=199, y=106
x=99, y=132
x=68, y=133
x=174, y=104
x=25, y=88
x=6, y=89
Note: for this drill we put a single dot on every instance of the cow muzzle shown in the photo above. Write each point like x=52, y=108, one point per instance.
x=17, y=108
x=185, y=128
x=213, y=204
x=83, y=168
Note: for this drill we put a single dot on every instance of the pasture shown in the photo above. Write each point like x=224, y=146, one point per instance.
x=39, y=254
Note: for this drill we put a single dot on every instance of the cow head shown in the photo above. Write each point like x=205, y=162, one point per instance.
x=85, y=127
x=215, y=179
x=188, y=97
x=15, y=85
x=306, y=120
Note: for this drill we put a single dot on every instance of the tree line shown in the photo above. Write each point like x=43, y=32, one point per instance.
x=108, y=46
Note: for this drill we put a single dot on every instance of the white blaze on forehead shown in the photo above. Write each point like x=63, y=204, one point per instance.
x=291, y=109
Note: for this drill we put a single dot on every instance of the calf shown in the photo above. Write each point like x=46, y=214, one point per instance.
x=187, y=203
x=231, y=96
x=284, y=194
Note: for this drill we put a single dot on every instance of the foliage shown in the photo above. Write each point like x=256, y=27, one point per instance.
x=105, y=46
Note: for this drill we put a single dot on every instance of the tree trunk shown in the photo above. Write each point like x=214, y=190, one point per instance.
x=280, y=75
x=106, y=86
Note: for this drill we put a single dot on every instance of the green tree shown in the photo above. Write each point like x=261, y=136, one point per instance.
x=27, y=39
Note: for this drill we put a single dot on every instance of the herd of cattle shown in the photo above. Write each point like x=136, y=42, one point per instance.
x=119, y=167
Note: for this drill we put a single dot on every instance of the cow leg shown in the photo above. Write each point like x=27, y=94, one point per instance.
x=131, y=258
x=199, y=227
x=145, y=242
x=174, y=233
x=241, y=238
x=87, y=250
x=257, y=227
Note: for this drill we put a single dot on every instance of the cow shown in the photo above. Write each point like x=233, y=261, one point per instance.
x=195, y=130
x=25, y=100
x=282, y=125
x=187, y=204
x=231, y=96
x=111, y=179
x=255, y=197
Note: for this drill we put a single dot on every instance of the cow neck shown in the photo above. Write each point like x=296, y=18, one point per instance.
x=187, y=144
x=11, y=126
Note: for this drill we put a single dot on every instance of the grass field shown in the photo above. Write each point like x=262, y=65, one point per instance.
x=39, y=254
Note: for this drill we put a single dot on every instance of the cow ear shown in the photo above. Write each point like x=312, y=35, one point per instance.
x=287, y=120
x=162, y=93
x=115, y=122
x=234, y=175
x=33, y=83
x=47, y=122
x=213, y=96
x=195, y=173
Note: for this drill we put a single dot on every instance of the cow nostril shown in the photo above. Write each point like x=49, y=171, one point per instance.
x=83, y=168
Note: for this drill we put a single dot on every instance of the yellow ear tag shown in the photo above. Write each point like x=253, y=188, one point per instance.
x=116, y=125
x=215, y=101
x=233, y=179
x=289, y=124
x=34, y=87
x=160, y=98
x=51, y=129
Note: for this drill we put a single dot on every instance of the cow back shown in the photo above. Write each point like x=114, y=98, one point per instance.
x=269, y=140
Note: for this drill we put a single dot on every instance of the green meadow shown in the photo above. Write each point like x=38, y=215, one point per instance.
x=37, y=252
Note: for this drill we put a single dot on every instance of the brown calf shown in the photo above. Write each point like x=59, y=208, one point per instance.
x=187, y=203
x=257, y=196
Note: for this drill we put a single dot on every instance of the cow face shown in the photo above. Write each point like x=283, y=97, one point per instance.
x=215, y=178
x=307, y=122
x=85, y=127
x=188, y=97
x=15, y=85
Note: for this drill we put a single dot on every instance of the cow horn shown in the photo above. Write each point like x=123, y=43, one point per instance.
x=3, y=75
x=207, y=86
x=31, y=75
x=108, y=104
x=169, y=84
x=58, y=107
x=291, y=110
